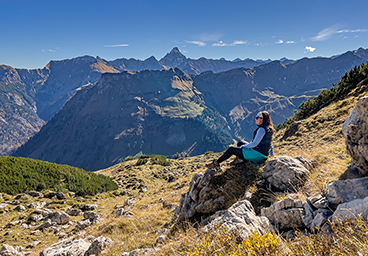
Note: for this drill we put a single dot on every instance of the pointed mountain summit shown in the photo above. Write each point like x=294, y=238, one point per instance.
x=173, y=59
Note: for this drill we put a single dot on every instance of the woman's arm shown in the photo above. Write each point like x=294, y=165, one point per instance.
x=257, y=139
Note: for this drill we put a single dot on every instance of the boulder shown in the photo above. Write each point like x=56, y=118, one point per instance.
x=46, y=224
x=213, y=191
x=35, y=194
x=94, y=217
x=83, y=224
x=98, y=246
x=60, y=218
x=59, y=195
x=355, y=130
x=342, y=191
x=70, y=248
x=144, y=251
x=285, y=173
x=355, y=209
x=285, y=214
x=74, y=212
x=89, y=207
x=8, y=250
x=242, y=220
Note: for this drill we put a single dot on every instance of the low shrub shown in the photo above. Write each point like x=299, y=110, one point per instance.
x=161, y=160
x=20, y=175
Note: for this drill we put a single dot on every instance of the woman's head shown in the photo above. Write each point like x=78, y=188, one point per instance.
x=263, y=118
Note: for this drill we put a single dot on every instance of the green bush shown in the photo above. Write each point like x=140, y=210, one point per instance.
x=161, y=160
x=20, y=175
x=142, y=161
x=129, y=158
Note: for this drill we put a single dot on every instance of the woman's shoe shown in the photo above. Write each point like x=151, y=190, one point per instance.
x=213, y=165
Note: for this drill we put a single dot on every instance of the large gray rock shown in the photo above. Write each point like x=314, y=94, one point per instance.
x=241, y=219
x=355, y=130
x=286, y=173
x=60, y=218
x=342, y=191
x=138, y=252
x=285, y=214
x=70, y=248
x=98, y=246
x=74, y=212
x=8, y=250
x=356, y=209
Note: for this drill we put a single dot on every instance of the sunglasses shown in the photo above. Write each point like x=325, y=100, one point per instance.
x=259, y=117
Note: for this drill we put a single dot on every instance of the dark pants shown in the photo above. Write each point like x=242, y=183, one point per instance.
x=231, y=151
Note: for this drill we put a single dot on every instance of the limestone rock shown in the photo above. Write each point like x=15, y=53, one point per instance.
x=70, y=248
x=357, y=208
x=74, y=212
x=138, y=252
x=59, y=195
x=308, y=214
x=98, y=246
x=94, y=217
x=89, y=207
x=318, y=222
x=342, y=191
x=241, y=219
x=8, y=250
x=43, y=212
x=46, y=224
x=61, y=218
x=35, y=194
x=285, y=214
x=355, y=130
x=83, y=224
x=286, y=173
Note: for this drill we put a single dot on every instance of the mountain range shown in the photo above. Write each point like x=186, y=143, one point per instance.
x=170, y=106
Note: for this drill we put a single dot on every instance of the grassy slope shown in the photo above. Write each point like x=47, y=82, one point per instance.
x=318, y=139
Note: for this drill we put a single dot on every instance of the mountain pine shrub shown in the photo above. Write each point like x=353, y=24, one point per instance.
x=20, y=175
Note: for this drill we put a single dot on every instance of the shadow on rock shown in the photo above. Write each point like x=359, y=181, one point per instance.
x=211, y=191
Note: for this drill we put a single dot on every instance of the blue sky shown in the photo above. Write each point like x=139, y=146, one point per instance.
x=35, y=32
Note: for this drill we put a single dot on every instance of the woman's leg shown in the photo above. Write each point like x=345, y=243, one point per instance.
x=230, y=152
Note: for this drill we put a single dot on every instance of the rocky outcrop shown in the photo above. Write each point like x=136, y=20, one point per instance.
x=355, y=130
x=285, y=173
x=212, y=191
x=342, y=191
x=285, y=214
x=343, y=200
x=357, y=208
x=241, y=219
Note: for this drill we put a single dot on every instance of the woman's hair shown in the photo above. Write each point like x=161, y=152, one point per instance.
x=267, y=121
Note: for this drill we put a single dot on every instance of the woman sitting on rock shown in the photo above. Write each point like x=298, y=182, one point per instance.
x=259, y=149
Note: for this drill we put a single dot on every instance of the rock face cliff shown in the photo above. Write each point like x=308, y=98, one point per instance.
x=355, y=130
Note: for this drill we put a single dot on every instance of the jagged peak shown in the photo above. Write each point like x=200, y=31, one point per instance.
x=152, y=58
x=175, y=50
